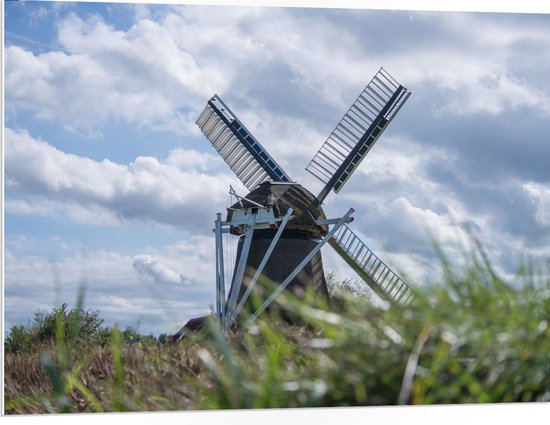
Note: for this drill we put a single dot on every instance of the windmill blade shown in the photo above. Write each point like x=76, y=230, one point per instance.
x=237, y=146
x=383, y=281
x=357, y=132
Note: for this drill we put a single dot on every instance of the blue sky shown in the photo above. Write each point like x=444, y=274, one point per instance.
x=110, y=184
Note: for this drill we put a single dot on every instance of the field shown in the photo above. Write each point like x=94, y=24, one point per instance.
x=472, y=338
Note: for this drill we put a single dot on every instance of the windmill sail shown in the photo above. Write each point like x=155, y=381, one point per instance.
x=357, y=132
x=383, y=281
x=236, y=145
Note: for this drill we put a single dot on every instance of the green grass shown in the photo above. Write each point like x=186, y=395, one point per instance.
x=472, y=338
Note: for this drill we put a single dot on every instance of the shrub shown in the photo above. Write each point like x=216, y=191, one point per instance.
x=20, y=339
x=83, y=326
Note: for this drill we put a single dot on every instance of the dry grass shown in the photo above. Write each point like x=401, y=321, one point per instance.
x=154, y=378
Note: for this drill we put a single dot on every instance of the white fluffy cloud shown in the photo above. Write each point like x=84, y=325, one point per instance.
x=139, y=76
x=172, y=192
x=540, y=197
x=159, y=272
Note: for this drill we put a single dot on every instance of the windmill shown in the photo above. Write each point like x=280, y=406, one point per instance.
x=280, y=224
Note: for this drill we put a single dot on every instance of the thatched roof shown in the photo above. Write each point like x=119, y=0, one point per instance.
x=282, y=196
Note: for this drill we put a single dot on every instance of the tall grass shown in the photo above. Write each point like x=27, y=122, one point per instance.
x=472, y=338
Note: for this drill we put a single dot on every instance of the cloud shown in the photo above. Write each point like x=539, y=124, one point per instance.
x=140, y=77
x=172, y=192
x=43, y=273
x=186, y=159
x=160, y=273
x=145, y=74
x=72, y=211
x=407, y=198
x=479, y=69
x=540, y=197
x=101, y=269
x=159, y=72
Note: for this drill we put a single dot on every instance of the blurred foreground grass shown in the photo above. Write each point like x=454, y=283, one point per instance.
x=471, y=338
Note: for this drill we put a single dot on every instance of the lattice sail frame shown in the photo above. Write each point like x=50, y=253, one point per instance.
x=237, y=146
x=357, y=132
x=382, y=280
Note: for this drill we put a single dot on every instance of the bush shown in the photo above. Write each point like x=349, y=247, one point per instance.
x=20, y=339
x=83, y=326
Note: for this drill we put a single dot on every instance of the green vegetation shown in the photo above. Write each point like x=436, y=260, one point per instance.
x=83, y=326
x=472, y=338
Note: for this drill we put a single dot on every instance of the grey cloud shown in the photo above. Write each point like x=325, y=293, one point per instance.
x=512, y=143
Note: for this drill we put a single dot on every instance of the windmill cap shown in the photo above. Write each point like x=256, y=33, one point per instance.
x=281, y=196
